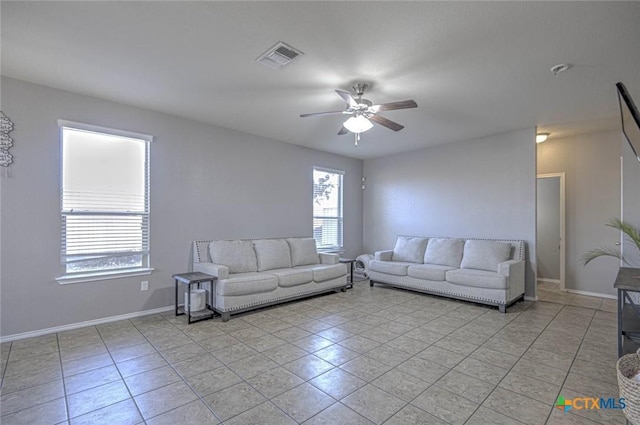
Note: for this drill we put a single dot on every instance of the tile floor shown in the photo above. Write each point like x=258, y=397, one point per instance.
x=370, y=355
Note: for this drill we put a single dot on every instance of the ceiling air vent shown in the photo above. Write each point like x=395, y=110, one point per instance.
x=279, y=56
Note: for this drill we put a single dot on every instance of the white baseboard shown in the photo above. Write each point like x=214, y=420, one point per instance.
x=72, y=326
x=543, y=279
x=592, y=294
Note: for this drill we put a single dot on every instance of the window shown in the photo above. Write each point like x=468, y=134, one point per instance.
x=104, y=200
x=327, y=208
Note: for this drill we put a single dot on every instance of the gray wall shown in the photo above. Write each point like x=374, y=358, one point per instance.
x=482, y=188
x=631, y=199
x=548, y=228
x=592, y=166
x=206, y=182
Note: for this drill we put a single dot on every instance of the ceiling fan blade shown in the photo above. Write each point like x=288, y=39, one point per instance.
x=343, y=131
x=346, y=96
x=404, y=104
x=324, y=113
x=392, y=125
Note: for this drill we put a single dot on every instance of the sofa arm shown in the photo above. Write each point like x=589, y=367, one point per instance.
x=514, y=270
x=384, y=255
x=328, y=258
x=218, y=270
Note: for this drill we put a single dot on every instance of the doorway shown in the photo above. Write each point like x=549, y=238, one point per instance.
x=550, y=231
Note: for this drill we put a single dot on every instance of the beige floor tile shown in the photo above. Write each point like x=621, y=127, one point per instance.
x=150, y=380
x=456, y=345
x=96, y=398
x=252, y=366
x=234, y=400
x=123, y=412
x=337, y=383
x=141, y=364
x=85, y=364
x=265, y=413
x=233, y=353
x=536, y=389
x=164, y=399
x=401, y=384
x=484, y=371
x=423, y=369
x=23, y=399
x=517, y=406
x=212, y=381
x=50, y=412
x=365, y=368
x=303, y=402
x=197, y=365
x=91, y=379
x=285, y=353
x=484, y=416
x=411, y=415
x=466, y=386
x=83, y=351
x=336, y=354
x=191, y=413
x=264, y=343
x=22, y=379
x=338, y=413
x=445, y=405
x=274, y=382
x=540, y=371
x=308, y=367
x=373, y=403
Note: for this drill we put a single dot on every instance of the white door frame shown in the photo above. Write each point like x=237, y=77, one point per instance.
x=562, y=225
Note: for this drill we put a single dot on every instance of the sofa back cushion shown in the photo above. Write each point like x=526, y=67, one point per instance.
x=303, y=251
x=409, y=249
x=239, y=256
x=485, y=255
x=444, y=252
x=272, y=254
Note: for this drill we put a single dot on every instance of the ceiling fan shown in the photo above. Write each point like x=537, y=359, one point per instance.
x=363, y=112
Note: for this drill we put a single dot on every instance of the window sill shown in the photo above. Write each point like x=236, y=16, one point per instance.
x=102, y=275
x=335, y=250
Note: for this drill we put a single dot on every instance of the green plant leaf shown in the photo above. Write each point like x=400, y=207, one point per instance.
x=589, y=256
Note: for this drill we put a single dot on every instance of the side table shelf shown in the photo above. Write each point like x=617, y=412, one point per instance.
x=190, y=279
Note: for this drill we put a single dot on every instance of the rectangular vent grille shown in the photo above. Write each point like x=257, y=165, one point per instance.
x=279, y=56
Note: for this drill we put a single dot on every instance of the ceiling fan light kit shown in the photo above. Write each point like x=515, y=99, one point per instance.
x=364, y=113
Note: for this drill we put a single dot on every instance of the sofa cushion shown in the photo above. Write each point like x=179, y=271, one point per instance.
x=409, y=249
x=484, y=255
x=272, y=254
x=292, y=277
x=444, y=252
x=246, y=284
x=325, y=272
x=389, y=267
x=429, y=271
x=239, y=256
x=477, y=278
x=303, y=251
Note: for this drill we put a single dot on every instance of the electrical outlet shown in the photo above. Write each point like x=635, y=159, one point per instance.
x=144, y=285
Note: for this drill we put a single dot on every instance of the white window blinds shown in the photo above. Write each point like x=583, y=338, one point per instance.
x=327, y=208
x=105, y=199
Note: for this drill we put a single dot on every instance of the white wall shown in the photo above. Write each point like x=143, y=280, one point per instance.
x=206, y=182
x=482, y=188
x=592, y=166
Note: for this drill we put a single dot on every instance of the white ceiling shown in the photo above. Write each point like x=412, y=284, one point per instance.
x=474, y=68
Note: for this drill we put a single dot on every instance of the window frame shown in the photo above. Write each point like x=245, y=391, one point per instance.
x=339, y=218
x=102, y=274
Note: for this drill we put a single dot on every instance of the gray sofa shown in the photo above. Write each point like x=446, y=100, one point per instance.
x=480, y=270
x=260, y=272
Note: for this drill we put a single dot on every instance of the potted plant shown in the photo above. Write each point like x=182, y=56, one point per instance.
x=629, y=231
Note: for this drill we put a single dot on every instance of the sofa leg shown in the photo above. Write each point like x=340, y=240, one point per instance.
x=371, y=283
x=502, y=308
x=226, y=316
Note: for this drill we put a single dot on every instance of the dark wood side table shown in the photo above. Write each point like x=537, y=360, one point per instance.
x=350, y=261
x=627, y=281
x=190, y=279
